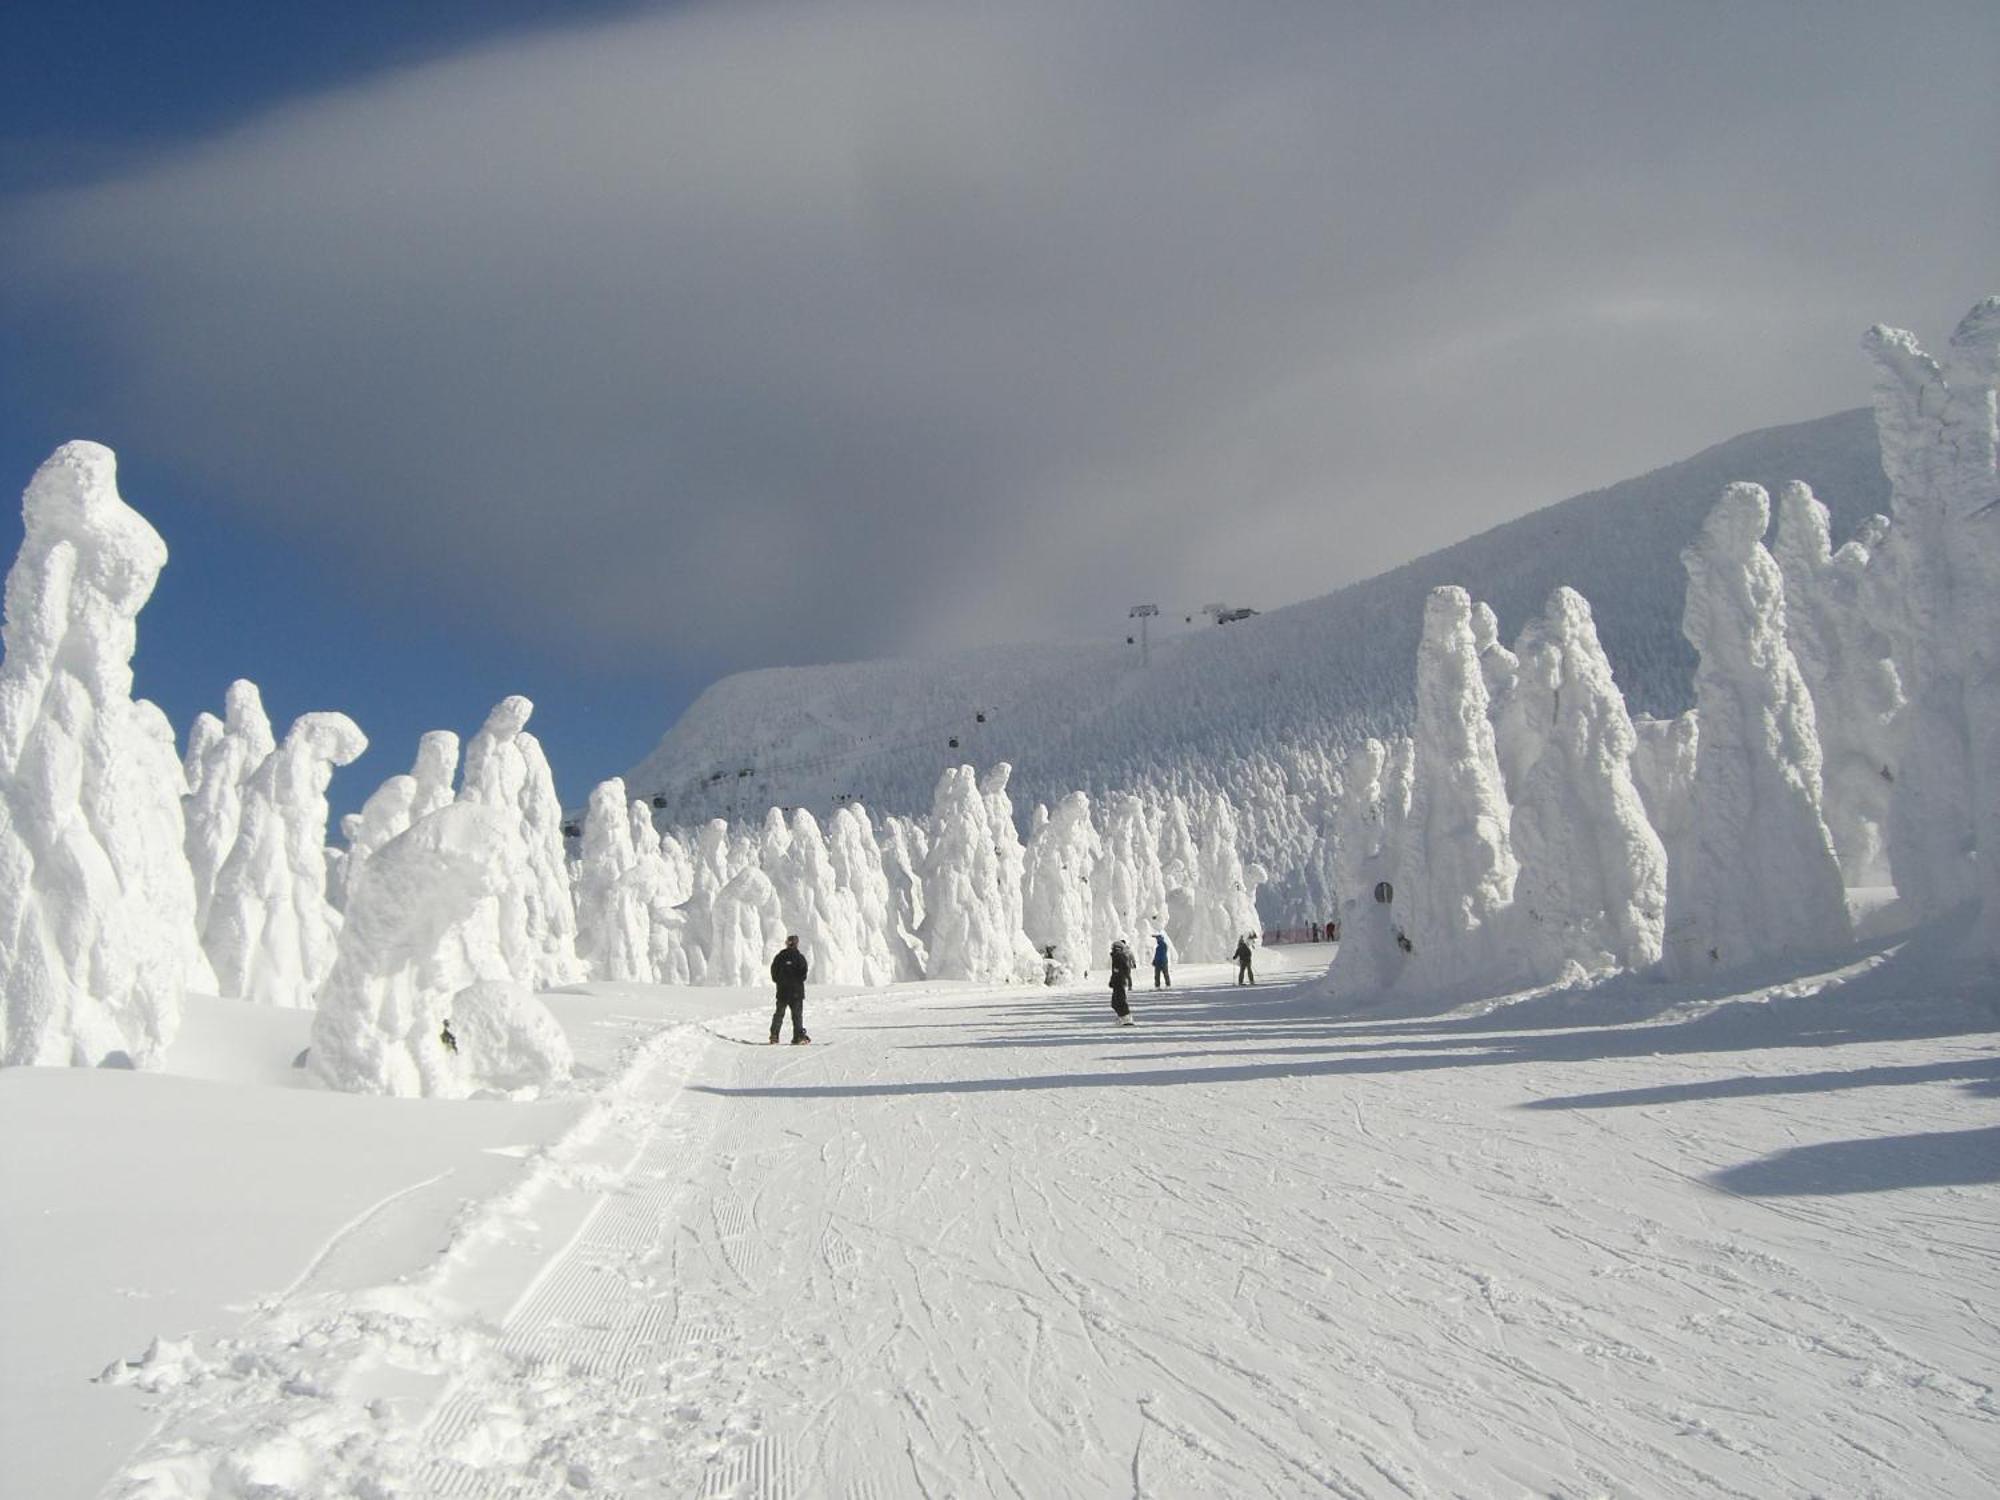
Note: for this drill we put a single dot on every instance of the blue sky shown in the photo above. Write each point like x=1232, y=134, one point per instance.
x=88, y=89
x=591, y=351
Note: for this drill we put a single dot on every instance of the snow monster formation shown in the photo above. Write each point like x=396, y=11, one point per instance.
x=1055, y=887
x=1936, y=421
x=270, y=930
x=1368, y=828
x=1755, y=874
x=420, y=952
x=1847, y=662
x=222, y=757
x=506, y=771
x=1592, y=889
x=1456, y=857
x=97, y=903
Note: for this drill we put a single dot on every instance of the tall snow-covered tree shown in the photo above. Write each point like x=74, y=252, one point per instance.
x=1755, y=875
x=1592, y=888
x=271, y=930
x=97, y=902
x=1936, y=421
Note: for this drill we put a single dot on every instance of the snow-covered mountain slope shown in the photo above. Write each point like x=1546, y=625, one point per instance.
x=1263, y=708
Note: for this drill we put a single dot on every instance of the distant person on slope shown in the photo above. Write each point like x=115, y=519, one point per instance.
x=788, y=971
x=1244, y=973
x=1161, y=978
x=1121, y=981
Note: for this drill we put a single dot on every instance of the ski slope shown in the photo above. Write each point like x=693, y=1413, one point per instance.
x=1262, y=708
x=1637, y=1241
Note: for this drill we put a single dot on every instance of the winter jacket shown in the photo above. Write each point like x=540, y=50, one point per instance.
x=789, y=970
x=1242, y=953
x=1159, y=950
x=1121, y=966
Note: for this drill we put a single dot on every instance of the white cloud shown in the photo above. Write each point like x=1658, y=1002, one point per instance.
x=779, y=332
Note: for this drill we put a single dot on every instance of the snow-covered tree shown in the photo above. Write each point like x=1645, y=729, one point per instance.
x=970, y=929
x=1374, y=806
x=1845, y=657
x=419, y=949
x=1592, y=888
x=613, y=939
x=1936, y=421
x=271, y=931
x=1128, y=894
x=1755, y=875
x=1056, y=908
x=746, y=930
x=222, y=756
x=1456, y=860
x=857, y=869
x=97, y=903
x=506, y=770
x=401, y=800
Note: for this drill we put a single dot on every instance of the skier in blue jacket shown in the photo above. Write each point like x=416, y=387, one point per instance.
x=1161, y=978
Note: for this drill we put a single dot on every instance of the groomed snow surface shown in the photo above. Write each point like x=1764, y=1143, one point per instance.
x=1645, y=1240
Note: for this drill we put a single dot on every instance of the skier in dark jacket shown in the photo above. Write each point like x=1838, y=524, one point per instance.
x=1121, y=981
x=788, y=971
x=1244, y=973
x=1161, y=978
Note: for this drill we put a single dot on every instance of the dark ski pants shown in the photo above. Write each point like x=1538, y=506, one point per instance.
x=1243, y=974
x=798, y=1010
x=1118, y=1001
x=1161, y=978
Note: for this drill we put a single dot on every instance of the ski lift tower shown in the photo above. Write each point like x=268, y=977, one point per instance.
x=1142, y=613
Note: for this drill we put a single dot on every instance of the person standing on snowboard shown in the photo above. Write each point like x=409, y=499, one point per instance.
x=788, y=972
x=1121, y=981
x=1244, y=973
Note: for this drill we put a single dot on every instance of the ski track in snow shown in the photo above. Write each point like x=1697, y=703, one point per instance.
x=988, y=1246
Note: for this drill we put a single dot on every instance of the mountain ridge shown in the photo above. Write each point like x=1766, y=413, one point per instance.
x=1263, y=708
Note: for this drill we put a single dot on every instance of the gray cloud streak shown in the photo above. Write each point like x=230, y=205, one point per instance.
x=779, y=332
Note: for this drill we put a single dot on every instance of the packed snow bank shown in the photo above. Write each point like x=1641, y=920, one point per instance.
x=1719, y=1235
x=97, y=902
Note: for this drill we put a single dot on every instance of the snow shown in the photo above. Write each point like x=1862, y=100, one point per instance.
x=1649, y=1239
x=1264, y=709
x=506, y=771
x=1456, y=866
x=1592, y=890
x=421, y=948
x=97, y=901
x=1942, y=553
x=270, y=931
x=1754, y=875
x=982, y=1243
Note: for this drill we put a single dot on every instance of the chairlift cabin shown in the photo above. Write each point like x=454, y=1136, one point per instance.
x=954, y=742
x=1384, y=892
x=659, y=799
